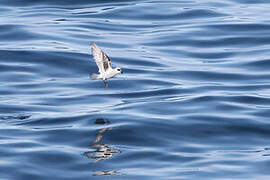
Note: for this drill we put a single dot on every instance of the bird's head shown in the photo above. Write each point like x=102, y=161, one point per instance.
x=118, y=70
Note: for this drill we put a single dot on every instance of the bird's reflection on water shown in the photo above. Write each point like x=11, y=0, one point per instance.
x=102, y=151
x=98, y=173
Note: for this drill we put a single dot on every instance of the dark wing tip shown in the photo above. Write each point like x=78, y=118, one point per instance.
x=92, y=43
x=93, y=47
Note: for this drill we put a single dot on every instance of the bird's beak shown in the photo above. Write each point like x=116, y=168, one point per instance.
x=121, y=71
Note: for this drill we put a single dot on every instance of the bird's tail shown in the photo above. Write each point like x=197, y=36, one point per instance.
x=94, y=76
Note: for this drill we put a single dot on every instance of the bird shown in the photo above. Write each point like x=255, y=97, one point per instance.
x=104, y=65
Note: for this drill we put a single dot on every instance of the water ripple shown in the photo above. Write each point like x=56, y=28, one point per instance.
x=193, y=101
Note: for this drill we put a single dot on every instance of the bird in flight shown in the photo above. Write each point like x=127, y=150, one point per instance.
x=104, y=65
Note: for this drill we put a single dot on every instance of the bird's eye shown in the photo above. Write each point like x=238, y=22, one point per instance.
x=118, y=69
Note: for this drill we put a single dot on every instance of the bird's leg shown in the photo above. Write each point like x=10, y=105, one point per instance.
x=105, y=83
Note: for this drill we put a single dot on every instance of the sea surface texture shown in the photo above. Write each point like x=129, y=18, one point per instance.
x=193, y=101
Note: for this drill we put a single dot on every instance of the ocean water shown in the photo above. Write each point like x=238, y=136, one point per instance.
x=193, y=101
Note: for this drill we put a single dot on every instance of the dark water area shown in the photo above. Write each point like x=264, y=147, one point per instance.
x=193, y=101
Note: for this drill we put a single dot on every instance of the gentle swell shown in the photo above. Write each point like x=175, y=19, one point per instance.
x=193, y=101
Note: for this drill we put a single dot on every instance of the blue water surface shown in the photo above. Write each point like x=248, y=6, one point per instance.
x=193, y=102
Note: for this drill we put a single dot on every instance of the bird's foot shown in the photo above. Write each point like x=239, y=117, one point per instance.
x=106, y=84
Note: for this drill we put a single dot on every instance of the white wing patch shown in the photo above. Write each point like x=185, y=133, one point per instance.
x=102, y=60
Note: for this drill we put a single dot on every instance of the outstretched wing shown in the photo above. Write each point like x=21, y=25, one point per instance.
x=102, y=60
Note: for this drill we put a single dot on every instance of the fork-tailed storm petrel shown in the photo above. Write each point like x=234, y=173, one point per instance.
x=104, y=65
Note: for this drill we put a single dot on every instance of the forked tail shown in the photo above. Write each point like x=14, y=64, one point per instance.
x=94, y=76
